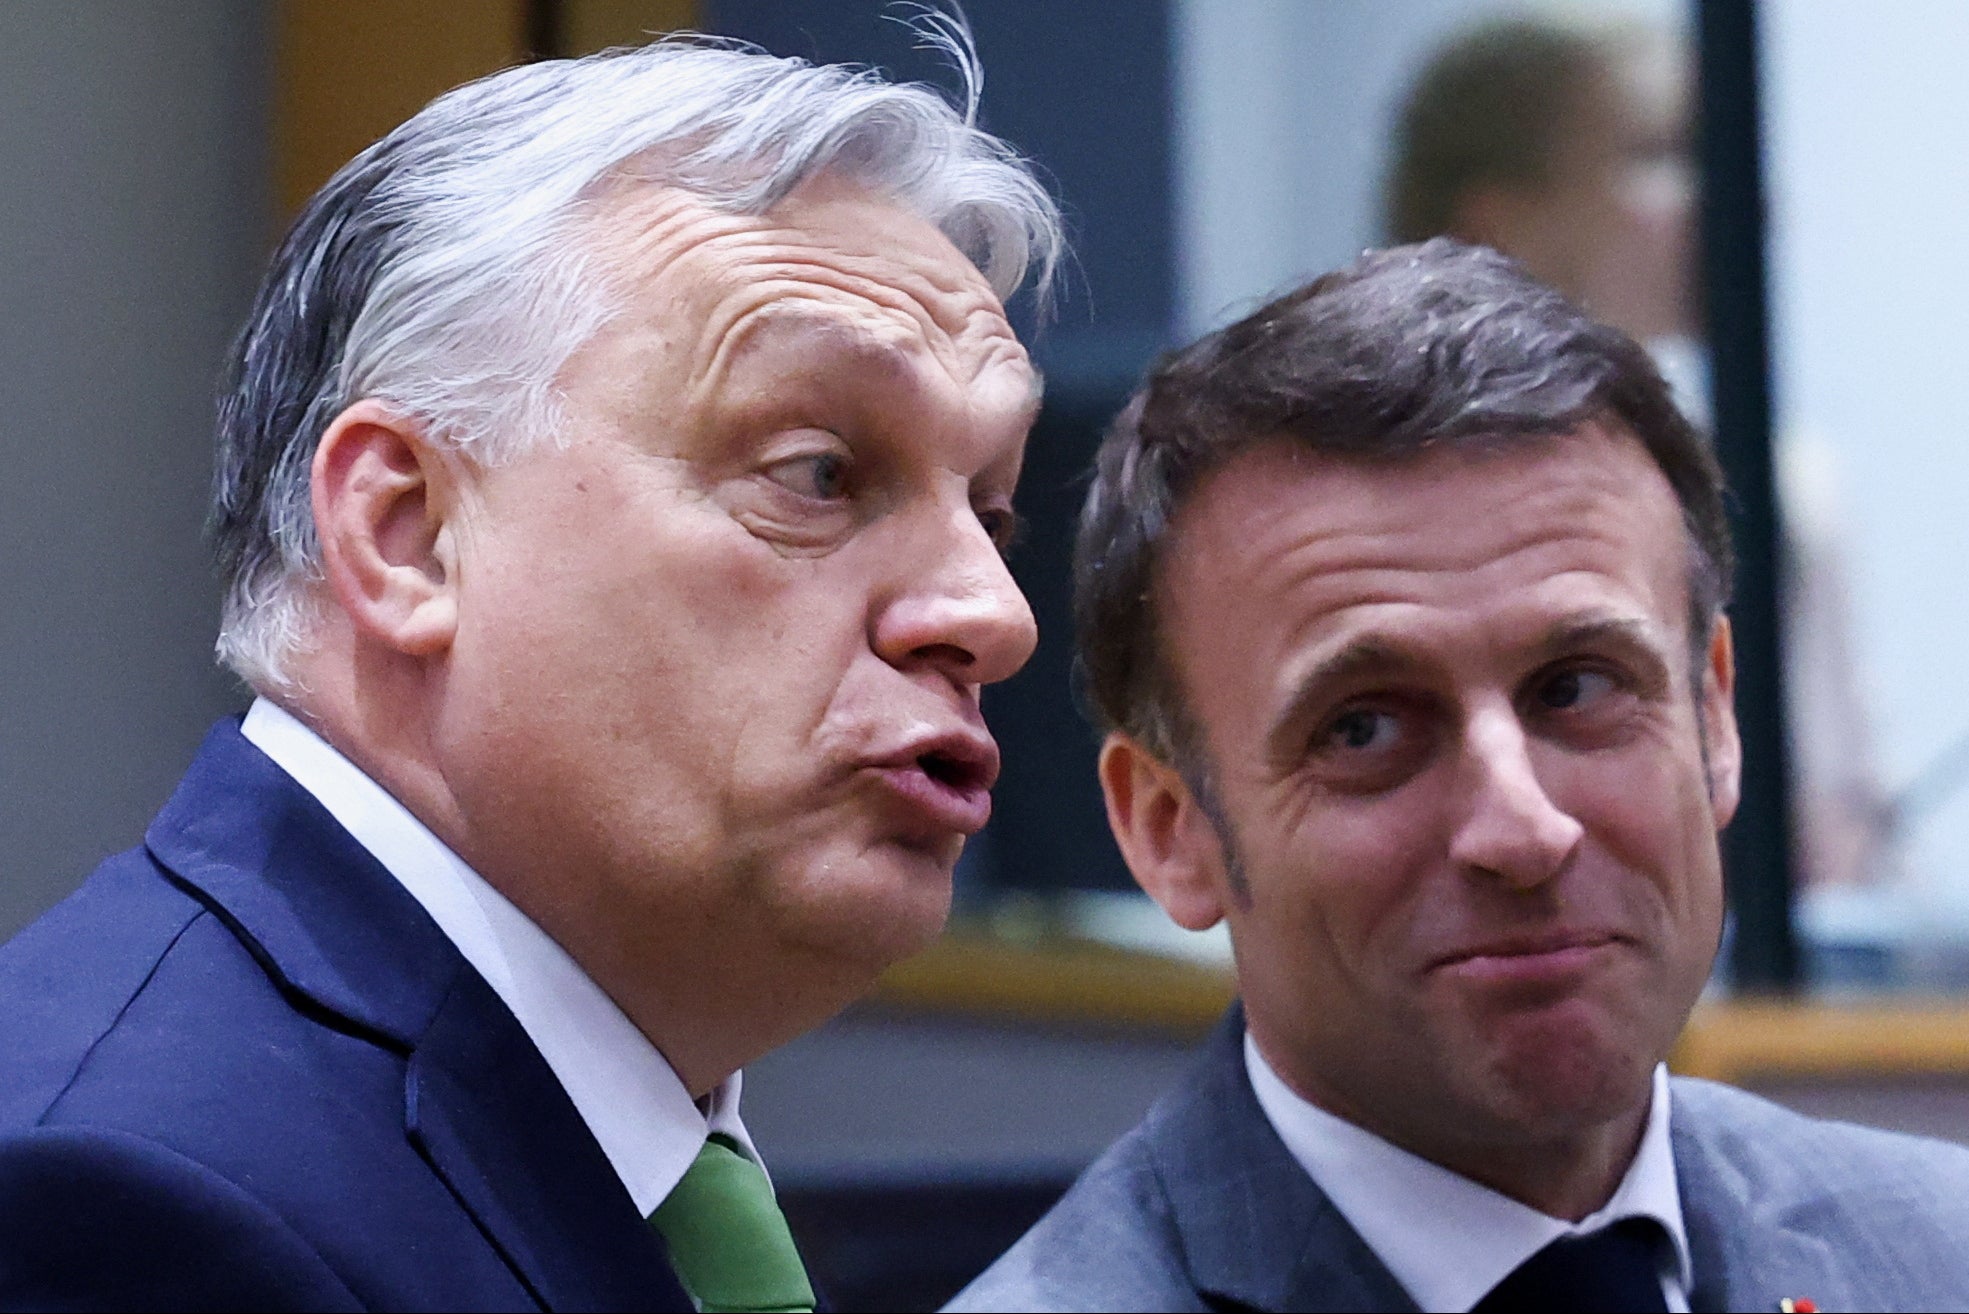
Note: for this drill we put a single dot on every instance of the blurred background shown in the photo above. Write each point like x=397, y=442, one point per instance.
x=1769, y=196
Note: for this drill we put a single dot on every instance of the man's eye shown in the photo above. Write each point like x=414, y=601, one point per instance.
x=1004, y=525
x=1359, y=730
x=822, y=476
x=1572, y=690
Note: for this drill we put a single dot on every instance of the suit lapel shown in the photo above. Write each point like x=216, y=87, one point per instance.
x=326, y=921
x=343, y=939
x=1257, y=1232
x=1744, y=1255
x=488, y=1113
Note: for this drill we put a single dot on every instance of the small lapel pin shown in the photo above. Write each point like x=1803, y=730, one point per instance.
x=1797, y=1305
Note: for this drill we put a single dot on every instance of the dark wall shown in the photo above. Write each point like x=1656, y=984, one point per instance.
x=131, y=228
x=1084, y=90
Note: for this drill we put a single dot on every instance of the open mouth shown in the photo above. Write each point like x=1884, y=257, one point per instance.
x=945, y=786
x=954, y=772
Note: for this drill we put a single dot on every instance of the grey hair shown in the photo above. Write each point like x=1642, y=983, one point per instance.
x=437, y=271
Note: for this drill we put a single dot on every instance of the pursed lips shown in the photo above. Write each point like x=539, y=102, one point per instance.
x=945, y=777
x=1530, y=953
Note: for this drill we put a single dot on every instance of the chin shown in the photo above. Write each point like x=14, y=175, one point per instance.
x=1568, y=1072
x=873, y=908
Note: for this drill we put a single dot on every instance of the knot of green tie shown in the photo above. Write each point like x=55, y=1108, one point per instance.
x=728, y=1240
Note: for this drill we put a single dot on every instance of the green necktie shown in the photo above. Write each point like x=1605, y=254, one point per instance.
x=728, y=1239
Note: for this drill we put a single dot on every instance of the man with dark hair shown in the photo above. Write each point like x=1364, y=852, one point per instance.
x=1402, y=602
x=613, y=480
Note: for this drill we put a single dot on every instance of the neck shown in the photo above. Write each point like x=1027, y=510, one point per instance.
x=1570, y=1178
x=718, y=1021
x=373, y=708
x=1563, y=1166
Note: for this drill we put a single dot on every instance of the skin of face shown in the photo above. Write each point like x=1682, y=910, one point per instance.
x=1457, y=761
x=701, y=694
x=1624, y=188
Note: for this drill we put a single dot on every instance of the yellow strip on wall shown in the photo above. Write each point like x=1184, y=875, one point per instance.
x=591, y=25
x=348, y=71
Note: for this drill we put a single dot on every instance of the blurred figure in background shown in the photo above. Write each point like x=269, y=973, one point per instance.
x=1564, y=142
x=1565, y=146
x=613, y=481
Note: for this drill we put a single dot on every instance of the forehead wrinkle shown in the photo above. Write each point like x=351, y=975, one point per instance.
x=1347, y=568
x=886, y=319
x=919, y=273
x=669, y=236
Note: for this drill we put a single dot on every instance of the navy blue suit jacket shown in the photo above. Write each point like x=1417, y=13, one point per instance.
x=241, y=1068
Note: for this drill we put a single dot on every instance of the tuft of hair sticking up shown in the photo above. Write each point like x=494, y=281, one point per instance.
x=438, y=271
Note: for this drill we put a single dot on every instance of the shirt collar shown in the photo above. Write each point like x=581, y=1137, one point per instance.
x=628, y=1095
x=1447, y=1239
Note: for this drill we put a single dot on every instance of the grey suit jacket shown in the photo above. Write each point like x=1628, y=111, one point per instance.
x=1203, y=1208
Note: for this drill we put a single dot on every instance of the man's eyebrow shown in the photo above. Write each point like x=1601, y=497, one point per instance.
x=1641, y=645
x=1587, y=631
x=766, y=332
x=1285, y=734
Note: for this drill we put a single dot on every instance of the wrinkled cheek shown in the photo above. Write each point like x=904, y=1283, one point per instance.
x=1676, y=871
x=1381, y=890
x=1702, y=932
x=793, y=694
x=1338, y=922
x=1697, y=870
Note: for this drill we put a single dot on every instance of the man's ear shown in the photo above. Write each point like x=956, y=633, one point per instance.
x=382, y=493
x=1167, y=841
x=1719, y=723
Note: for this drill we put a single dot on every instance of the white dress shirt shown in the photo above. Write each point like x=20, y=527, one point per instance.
x=631, y=1099
x=1447, y=1239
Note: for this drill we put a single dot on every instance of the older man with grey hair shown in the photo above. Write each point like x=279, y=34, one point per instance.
x=613, y=478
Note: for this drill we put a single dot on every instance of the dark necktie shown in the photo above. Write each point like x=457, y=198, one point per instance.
x=1611, y=1271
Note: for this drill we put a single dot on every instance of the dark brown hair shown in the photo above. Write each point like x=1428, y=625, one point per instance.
x=1403, y=351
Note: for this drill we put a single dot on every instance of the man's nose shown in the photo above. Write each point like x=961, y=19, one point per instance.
x=1510, y=828
x=957, y=608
